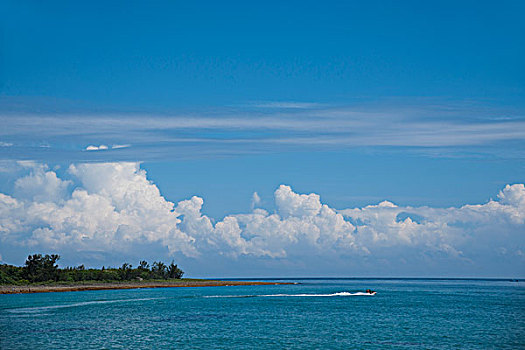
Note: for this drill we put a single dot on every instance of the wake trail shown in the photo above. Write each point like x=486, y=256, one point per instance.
x=39, y=309
x=338, y=294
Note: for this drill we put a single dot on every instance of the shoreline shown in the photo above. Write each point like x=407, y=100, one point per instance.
x=27, y=289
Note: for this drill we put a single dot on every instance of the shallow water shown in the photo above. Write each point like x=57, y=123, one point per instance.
x=430, y=314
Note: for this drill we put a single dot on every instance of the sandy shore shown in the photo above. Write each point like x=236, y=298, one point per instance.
x=125, y=285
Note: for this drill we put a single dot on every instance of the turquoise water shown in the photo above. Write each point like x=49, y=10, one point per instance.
x=429, y=314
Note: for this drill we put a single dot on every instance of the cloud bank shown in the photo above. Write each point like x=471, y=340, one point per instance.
x=112, y=209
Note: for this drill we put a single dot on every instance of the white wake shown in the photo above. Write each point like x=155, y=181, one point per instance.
x=39, y=309
x=338, y=294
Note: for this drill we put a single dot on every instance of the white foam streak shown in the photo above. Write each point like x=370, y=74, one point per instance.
x=84, y=303
x=338, y=294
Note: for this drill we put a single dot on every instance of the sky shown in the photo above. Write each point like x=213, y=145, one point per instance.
x=265, y=139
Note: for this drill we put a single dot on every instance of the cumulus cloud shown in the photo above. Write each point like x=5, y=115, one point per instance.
x=113, y=207
x=41, y=185
x=96, y=148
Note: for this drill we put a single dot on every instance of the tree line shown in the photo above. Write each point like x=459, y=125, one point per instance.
x=44, y=268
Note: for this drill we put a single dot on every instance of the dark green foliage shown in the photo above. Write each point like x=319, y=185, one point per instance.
x=174, y=271
x=159, y=270
x=126, y=272
x=9, y=274
x=40, y=268
x=143, y=265
x=5, y=278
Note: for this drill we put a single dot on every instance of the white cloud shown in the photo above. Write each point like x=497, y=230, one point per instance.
x=113, y=207
x=5, y=144
x=41, y=185
x=96, y=148
x=256, y=200
x=104, y=147
x=458, y=232
x=293, y=204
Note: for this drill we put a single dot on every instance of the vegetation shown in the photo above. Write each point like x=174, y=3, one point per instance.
x=42, y=269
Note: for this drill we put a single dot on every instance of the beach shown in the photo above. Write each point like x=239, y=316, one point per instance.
x=20, y=289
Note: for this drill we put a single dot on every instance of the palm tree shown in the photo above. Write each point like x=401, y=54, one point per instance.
x=125, y=271
x=143, y=265
x=159, y=269
x=174, y=271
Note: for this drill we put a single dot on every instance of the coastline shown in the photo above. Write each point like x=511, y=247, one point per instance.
x=26, y=289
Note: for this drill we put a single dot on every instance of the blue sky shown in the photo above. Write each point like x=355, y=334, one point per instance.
x=417, y=103
x=204, y=54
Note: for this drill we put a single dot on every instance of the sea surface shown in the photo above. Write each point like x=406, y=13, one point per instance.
x=313, y=314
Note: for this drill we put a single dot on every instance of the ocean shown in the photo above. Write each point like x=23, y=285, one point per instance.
x=313, y=314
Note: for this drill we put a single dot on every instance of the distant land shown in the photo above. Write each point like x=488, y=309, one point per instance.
x=41, y=274
x=90, y=285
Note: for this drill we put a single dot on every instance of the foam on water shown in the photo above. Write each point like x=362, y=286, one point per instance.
x=40, y=309
x=338, y=294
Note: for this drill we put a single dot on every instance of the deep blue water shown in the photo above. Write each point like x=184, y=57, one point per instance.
x=429, y=314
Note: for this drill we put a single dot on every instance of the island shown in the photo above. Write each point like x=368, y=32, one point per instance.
x=41, y=274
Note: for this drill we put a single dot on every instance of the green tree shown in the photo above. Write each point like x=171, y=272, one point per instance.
x=143, y=265
x=125, y=272
x=40, y=268
x=5, y=278
x=43, y=268
x=174, y=271
x=159, y=270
